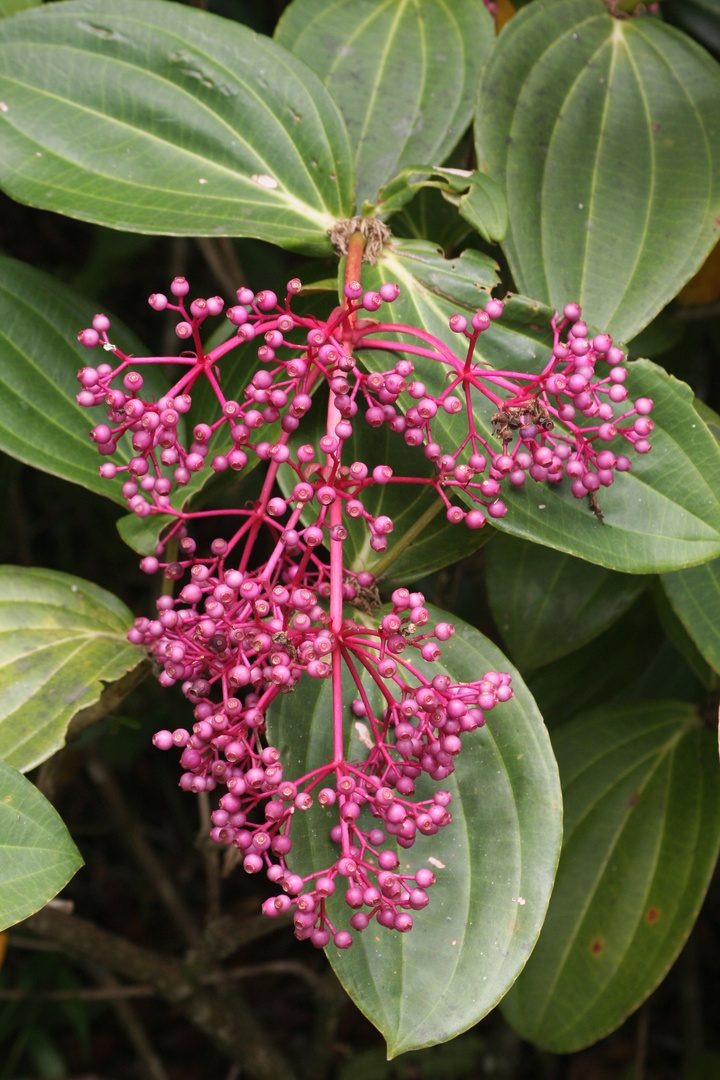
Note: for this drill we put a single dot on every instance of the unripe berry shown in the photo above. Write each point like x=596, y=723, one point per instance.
x=89, y=338
x=372, y=301
x=179, y=287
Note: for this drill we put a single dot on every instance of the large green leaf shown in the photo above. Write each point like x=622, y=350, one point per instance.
x=403, y=72
x=500, y=854
x=40, y=421
x=10, y=7
x=37, y=854
x=430, y=216
x=61, y=638
x=603, y=669
x=547, y=604
x=155, y=117
x=695, y=595
x=663, y=515
x=589, y=124
x=642, y=830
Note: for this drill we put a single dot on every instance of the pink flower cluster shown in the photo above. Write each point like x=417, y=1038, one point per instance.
x=245, y=628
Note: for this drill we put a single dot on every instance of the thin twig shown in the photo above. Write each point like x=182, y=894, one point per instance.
x=21, y=941
x=130, y=832
x=272, y=967
x=223, y=1015
x=150, y=1063
x=116, y=991
x=85, y=993
x=224, y=936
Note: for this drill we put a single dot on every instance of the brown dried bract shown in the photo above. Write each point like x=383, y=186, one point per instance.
x=366, y=600
x=595, y=507
x=375, y=232
x=511, y=418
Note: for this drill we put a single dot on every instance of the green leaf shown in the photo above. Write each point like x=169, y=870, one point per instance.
x=682, y=641
x=642, y=830
x=658, y=337
x=403, y=72
x=10, y=7
x=430, y=217
x=37, y=853
x=603, y=669
x=61, y=638
x=484, y=207
x=711, y=418
x=41, y=424
x=158, y=119
x=547, y=604
x=500, y=853
x=695, y=597
x=662, y=515
x=588, y=124
x=477, y=197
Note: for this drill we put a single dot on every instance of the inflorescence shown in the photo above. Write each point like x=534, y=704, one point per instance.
x=242, y=630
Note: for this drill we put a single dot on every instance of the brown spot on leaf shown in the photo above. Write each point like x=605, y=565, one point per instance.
x=596, y=946
x=652, y=915
x=633, y=798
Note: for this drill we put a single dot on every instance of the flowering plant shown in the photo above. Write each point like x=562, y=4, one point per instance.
x=296, y=481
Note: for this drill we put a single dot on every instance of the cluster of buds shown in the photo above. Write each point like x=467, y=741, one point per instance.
x=553, y=424
x=246, y=627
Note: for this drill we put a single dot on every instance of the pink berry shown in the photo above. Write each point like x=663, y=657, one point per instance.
x=179, y=287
